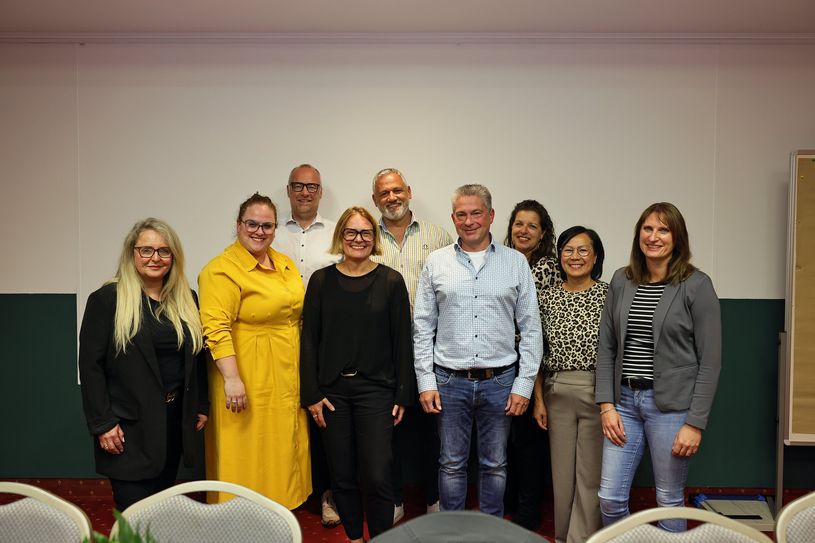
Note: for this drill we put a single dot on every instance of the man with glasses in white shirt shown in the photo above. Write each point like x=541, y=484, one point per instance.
x=305, y=237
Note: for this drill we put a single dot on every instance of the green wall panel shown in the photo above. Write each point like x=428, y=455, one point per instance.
x=44, y=432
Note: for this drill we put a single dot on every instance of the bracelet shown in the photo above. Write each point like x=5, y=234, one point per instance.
x=604, y=411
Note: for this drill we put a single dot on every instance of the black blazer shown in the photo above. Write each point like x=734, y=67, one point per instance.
x=126, y=389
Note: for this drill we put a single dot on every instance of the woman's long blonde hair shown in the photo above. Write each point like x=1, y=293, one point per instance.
x=176, y=303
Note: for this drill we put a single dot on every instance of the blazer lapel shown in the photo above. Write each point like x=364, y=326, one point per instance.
x=147, y=350
x=661, y=310
x=189, y=359
x=628, y=297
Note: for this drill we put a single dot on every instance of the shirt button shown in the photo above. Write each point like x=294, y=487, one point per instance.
x=476, y=295
x=476, y=316
x=476, y=335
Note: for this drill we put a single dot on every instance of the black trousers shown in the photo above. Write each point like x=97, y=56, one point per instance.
x=357, y=440
x=529, y=474
x=418, y=433
x=126, y=493
x=320, y=477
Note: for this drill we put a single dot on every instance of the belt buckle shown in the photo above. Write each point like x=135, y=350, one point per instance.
x=171, y=396
x=352, y=374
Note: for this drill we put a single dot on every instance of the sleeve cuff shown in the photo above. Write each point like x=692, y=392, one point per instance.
x=523, y=387
x=426, y=381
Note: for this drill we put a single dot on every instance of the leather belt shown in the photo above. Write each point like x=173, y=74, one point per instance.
x=638, y=383
x=478, y=374
x=349, y=372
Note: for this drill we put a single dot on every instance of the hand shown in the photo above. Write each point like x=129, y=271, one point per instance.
x=397, y=413
x=113, y=441
x=201, y=422
x=316, y=411
x=431, y=401
x=687, y=441
x=539, y=414
x=612, y=422
x=516, y=405
x=235, y=391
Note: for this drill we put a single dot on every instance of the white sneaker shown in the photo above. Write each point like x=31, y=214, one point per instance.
x=433, y=508
x=398, y=513
x=328, y=510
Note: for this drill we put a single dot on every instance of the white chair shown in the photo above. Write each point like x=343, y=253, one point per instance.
x=716, y=528
x=249, y=517
x=40, y=516
x=796, y=522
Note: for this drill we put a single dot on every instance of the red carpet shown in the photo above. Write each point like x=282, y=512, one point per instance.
x=94, y=497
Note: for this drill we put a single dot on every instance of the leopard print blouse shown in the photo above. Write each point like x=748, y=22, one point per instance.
x=571, y=326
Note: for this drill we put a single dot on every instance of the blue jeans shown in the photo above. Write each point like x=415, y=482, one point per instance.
x=644, y=424
x=463, y=402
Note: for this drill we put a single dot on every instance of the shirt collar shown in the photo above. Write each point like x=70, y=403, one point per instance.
x=490, y=248
x=249, y=262
x=289, y=219
x=413, y=222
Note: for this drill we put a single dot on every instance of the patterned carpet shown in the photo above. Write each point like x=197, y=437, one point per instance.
x=94, y=497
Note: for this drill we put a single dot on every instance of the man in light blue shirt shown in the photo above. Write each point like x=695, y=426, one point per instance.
x=470, y=299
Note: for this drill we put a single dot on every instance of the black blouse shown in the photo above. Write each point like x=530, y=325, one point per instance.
x=165, y=342
x=356, y=322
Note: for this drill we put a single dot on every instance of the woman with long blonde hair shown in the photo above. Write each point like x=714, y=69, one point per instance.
x=144, y=386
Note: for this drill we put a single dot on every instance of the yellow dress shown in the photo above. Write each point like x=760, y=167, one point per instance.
x=253, y=312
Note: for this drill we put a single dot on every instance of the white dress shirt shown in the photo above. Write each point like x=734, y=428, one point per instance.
x=307, y=247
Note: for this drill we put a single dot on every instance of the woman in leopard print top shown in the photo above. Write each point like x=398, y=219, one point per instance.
x=531, y=232
x=564, y=390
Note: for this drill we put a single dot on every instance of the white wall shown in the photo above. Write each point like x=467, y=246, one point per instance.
x=94, y=137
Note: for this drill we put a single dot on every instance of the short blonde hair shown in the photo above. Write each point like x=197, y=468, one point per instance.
x=336, y=240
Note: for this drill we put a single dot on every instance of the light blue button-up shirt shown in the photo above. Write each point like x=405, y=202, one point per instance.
x=465, y=318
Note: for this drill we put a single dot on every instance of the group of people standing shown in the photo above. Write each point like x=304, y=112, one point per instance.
x=390, y=328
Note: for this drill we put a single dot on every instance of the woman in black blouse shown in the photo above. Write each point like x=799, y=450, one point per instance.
x=356, y=369
x=144, y=381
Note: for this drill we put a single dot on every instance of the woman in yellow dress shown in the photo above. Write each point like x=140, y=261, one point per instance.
x=251, y=301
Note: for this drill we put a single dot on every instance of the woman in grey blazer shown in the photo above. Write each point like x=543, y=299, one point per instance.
x=658, y=364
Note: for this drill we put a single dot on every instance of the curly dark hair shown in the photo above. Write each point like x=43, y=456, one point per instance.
x=547, y=245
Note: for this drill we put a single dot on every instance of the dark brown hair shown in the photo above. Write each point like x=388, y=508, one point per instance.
x=546, y=247
x=679, y=266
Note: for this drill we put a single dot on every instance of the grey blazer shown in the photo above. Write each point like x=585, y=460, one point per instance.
x=687, y=345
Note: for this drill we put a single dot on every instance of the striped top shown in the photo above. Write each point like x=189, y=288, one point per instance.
x=421, y=239
x=638, y=354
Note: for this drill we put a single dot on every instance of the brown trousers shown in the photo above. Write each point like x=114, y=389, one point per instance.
x=576, y=444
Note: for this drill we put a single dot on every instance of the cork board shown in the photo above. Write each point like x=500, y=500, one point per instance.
x=802, y=311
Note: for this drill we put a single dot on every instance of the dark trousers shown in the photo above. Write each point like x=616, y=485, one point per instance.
x=528, y=470
x=417, y=433
x=357, y=440
x=126, y=493
x=320, y=477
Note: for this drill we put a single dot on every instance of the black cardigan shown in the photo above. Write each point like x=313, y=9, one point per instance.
x=357, y=322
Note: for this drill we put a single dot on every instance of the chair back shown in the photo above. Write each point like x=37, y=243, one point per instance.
x=40, y=516
x=249, y=517
x=716, y=528
x=796, y=522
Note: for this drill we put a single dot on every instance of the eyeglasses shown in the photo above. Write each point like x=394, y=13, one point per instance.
x=252, y=226
x=296, y=186
x=148, y=252
x=349, y=234
x=581, y=251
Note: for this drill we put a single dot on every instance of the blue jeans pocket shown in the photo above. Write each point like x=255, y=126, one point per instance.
x=442, y=377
